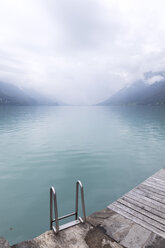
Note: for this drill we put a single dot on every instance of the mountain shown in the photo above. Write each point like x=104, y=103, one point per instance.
x=13, y=95
x=150, y=91
x=127, y=94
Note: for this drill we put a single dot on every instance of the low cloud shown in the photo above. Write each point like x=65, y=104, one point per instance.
x=80, y=52
x=155, y=79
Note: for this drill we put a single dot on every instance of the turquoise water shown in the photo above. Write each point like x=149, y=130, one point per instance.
x=110, y=149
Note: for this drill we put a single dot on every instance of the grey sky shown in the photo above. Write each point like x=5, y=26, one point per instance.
x=80, y=51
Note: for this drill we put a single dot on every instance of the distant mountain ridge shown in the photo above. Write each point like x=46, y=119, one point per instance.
x=13, y=95
x=141, y=92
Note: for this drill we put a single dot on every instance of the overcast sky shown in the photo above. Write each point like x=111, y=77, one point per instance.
x=80, y=51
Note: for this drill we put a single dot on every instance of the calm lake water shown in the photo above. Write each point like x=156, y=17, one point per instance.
x=110, y=149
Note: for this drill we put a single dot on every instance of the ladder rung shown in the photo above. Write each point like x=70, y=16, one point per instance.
x=65, y=216
x=67, y=225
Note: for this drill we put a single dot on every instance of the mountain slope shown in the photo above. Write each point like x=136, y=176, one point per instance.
x=140, y=93
x=127, y=94
x=13, y=95
x=155, y=95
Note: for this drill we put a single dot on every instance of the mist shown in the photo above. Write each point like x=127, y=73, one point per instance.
x=80, y=52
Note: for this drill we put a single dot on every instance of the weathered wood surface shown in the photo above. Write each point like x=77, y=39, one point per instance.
x=145, y=204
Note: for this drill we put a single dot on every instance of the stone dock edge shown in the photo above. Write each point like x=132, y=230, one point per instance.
x=103, y=229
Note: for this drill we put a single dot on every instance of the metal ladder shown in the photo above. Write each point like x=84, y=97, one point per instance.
x=53, y=199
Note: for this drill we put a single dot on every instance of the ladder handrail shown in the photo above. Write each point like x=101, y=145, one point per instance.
x=79, y=185
x=53, y=201
x=53, y=196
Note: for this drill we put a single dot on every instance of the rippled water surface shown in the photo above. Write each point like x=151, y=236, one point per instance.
x=110, y=149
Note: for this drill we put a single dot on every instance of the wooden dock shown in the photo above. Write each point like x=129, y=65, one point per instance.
x=145, y=204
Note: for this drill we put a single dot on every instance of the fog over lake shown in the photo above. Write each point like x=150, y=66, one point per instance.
x=80, y=52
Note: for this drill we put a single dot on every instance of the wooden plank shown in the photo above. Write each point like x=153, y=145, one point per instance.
x=160, y=172
x=151, y=192
x=161, y=175
x=154, y=182
x=137, y=220
x=152, y=196
x=154, y=186
x=151, y=189
x=142, y=211
x=145, y=198
x=145, y=203
x=140, y=216
x=154, y=203
x=157, y=182
x=146, y=207
x=158, y=178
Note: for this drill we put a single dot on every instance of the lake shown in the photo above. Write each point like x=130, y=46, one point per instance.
x=110, y=149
